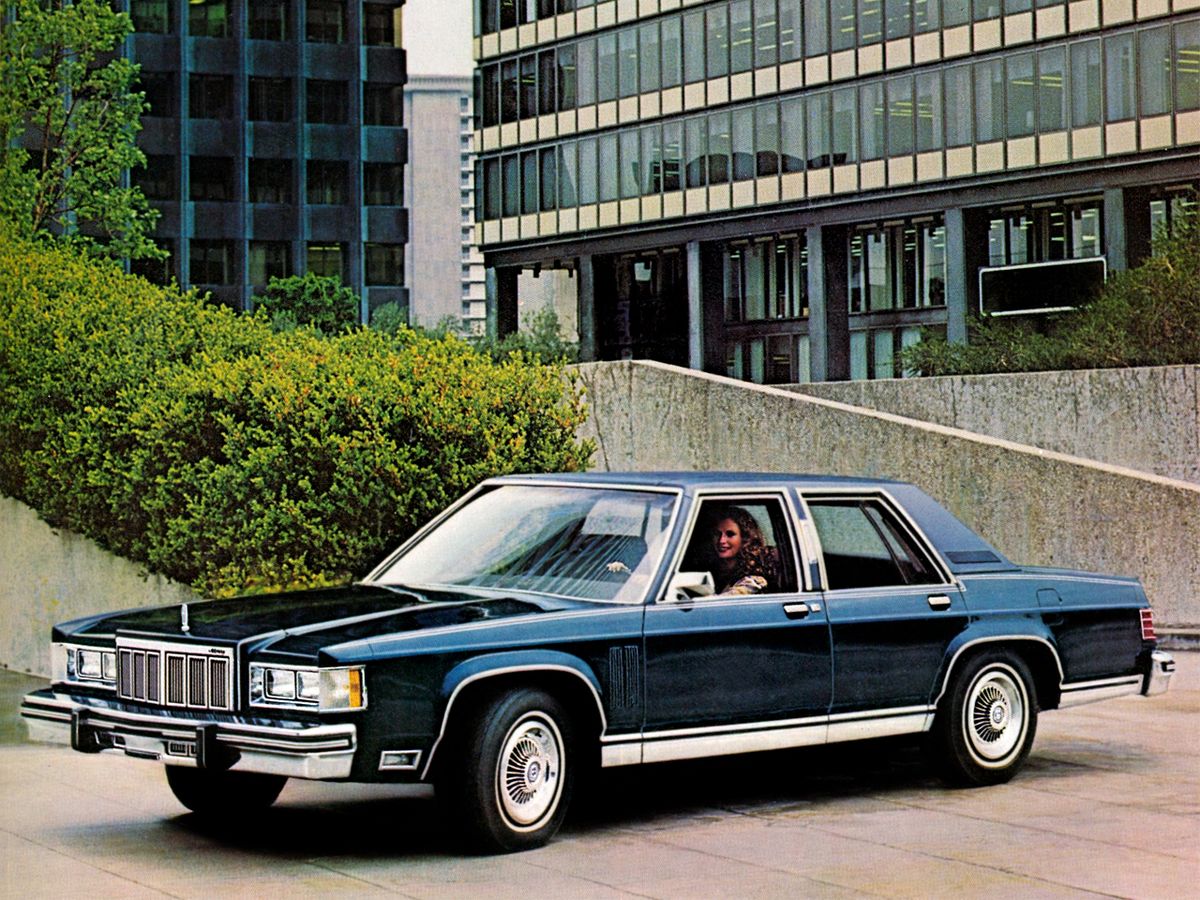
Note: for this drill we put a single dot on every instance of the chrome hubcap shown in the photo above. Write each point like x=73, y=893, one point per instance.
x=994, y=715
x=528, y=774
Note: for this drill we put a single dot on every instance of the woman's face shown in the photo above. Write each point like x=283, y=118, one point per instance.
x=727, y=539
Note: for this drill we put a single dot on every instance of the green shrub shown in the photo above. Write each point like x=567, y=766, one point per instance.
x=221, y=453
x=320, y=301
x=540, y=341
x=1146, y=316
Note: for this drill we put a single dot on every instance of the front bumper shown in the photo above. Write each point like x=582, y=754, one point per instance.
x=294, y=749
x=1158, y=673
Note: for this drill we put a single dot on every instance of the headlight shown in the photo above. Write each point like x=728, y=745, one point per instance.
x=307, y=687
x=83, y=665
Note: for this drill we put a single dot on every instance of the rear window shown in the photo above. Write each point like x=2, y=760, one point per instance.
x=864, y=545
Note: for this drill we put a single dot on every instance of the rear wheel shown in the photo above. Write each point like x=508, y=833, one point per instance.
x=986, y=725
x=513, y=772
x=208, y=792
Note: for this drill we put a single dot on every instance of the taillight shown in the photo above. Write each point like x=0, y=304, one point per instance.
x=1148, y=625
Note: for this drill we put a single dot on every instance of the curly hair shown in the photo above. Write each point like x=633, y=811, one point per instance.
x=754, y=557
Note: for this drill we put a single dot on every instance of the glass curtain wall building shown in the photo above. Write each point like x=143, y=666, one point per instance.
x=786, y=191
x=275, y=142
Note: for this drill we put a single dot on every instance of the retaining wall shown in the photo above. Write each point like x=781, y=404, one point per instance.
x=1039, y=507
x=1145, y=418
x=50, y=575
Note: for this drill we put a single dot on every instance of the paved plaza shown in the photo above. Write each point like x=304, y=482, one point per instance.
x=1108, y=805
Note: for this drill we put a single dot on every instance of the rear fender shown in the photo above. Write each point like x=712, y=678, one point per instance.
x=1028, y=636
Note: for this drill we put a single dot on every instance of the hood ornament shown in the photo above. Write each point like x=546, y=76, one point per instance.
x=183, y=619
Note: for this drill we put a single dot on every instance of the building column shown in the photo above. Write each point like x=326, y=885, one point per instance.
x=501, y=285
x=586, y=298
x=695, y=300
x=1115, y=245
x=818, y=326
x=957, y=290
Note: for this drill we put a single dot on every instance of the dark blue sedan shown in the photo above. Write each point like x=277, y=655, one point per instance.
x=547, y=624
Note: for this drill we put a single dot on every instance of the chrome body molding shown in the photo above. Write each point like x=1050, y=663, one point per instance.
x=1082, y=692
x=1158, y=678
x=295, y=750
x=724, y=740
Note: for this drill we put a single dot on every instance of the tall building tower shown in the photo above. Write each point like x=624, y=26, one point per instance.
x=275, y=142
x=785, y=191
x=445, y=277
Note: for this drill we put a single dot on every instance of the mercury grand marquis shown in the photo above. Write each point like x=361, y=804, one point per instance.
x=545, y=625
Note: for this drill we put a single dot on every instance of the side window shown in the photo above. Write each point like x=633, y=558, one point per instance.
x=864, y=546
x=745, y=543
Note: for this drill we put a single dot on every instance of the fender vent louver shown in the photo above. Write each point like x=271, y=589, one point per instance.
x=624, y=676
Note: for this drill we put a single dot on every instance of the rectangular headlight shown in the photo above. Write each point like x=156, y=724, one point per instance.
x=343, y=688
x=83, y=665
x=280, y=683
x=90, y=663
x=283, y=685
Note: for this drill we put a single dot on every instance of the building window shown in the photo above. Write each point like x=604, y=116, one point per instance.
x=383, y=184
x=325, y=101
x=208, y=18
x=151, y=16
x=156, y=271
x=876, y=353
x=159, y=88
x=1085, y=84
x=270, y=99
x=210, y=178
x=898, y=266
x=269, y=259
x=383, y=104
x=1120, y=78
x=157, y=180
x=1154, y=71
x=606, y=67
x=328, y=182
x=379, y=25
x=210, y=97
x=383, y=264
x=270, y=180
x=769, y=359
x=1171, y=203
x=270, y=20
x=326, y=21
x=1045, y=232
x=210, y=262
x=327, y=259
x=1186, y=64
x=585, y=68
x=766, y=279
x=1051, y=94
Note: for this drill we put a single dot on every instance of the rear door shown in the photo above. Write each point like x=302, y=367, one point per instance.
x=893, y=609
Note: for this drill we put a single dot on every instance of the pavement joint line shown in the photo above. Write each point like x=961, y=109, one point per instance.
x=1036, y=829
x=317, y=863
x=90, y=865
x=595, y=881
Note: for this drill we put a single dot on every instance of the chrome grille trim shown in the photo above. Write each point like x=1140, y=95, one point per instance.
x=190, y=676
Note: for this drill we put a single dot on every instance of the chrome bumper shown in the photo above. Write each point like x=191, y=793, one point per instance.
x=296, y=750
x=1158, y=676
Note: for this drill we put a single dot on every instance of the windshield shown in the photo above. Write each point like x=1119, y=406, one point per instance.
x=581, y=542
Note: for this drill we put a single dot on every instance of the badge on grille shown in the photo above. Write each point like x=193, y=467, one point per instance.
x=183, y=622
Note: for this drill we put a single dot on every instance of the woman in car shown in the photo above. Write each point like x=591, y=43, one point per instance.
x=741, y=561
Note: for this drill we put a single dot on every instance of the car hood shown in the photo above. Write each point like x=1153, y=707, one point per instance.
x=303, y=622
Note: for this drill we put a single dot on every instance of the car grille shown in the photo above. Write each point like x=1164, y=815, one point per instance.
x=181, y=675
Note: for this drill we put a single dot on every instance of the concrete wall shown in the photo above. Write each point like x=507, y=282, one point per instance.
x=1146, y=419
x=1039, y=507
x=49, y=576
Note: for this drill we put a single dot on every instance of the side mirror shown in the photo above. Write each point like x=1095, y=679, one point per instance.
x=686, y=585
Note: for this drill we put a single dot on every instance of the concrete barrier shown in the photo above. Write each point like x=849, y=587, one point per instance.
x=1144, y=418
x=49, y=575
x=1040, y=507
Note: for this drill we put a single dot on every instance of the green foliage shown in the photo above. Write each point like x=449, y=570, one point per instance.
x=219, y=452
x=1147, y=316
x=321, y=301
x=60, y=86
x=540, y=341
x=389, y=318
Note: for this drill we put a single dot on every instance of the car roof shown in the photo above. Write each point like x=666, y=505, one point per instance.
x=687, y=480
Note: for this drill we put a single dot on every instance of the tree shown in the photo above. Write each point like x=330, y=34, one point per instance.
x=69, y=117
x=321, y=301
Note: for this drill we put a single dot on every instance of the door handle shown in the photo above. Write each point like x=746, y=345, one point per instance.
x=795, y=610
x=939, y=601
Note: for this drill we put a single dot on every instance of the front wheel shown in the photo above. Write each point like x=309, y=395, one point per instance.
x=513, y=778
x=986, y=724
x=209, y=793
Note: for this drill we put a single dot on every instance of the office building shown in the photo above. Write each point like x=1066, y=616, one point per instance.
x=444, y=268
x=275, y=142
x=784, y=191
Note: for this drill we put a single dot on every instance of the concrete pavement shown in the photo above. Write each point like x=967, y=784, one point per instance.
x=1108, y=805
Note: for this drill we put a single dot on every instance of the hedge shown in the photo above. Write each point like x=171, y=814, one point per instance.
x=208, y=447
